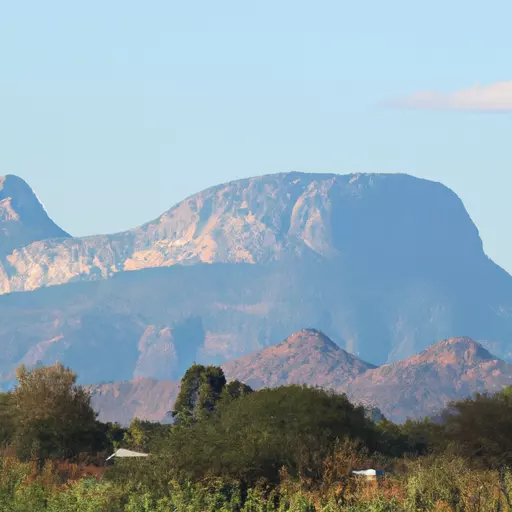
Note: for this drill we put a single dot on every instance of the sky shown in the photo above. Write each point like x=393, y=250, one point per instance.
x=113, y=111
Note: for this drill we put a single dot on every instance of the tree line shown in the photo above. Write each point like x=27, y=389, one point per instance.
x=49, y=416
x=236, y=442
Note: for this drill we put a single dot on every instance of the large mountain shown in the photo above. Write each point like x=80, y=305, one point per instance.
x=23, y=219
x=417, y=387
x=384, y=264
x=367, y=223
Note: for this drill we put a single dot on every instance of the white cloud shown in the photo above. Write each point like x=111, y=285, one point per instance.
x=495, y=97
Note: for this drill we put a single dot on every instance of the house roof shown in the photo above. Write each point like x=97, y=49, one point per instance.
x=123, y=452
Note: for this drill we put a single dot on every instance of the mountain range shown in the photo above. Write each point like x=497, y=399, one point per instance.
x=384, y=264
x=419, y=386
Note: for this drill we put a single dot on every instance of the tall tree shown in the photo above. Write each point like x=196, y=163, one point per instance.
x=201, y=389
x=53, y=416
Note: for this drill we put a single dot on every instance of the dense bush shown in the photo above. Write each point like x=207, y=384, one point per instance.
x=256, y=435
x=144, y=436
x=24, y=487
x=479, y=429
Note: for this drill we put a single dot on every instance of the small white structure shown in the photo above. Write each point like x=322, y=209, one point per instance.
x=369, y=474
x=123, y=453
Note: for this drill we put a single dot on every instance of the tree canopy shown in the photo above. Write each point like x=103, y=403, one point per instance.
x=202, y=388
x=259, y=433
x=478, y=428
x=51, y=416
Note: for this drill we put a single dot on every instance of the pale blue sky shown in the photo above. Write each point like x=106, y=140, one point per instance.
x=115, y=110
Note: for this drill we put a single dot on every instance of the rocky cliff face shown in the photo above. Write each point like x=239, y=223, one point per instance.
x=366, y=220
x=23, y=219
x=419, y=386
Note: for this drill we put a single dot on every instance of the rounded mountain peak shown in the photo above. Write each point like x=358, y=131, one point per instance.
x=311, y=337
x=307, y=356
x=456, y=351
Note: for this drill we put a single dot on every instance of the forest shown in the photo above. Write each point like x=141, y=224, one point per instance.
x=229, y=448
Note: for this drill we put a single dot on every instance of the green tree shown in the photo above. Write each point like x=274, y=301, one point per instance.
x=423, y=436
x=235, y=389
x=52, y=415
x=201, y=389
x=113, y=434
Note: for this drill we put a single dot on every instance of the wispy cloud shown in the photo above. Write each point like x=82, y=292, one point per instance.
x=495, y=97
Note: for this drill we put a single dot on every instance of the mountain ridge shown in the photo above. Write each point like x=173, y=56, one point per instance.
x=413, y=388
x=251, y=220
x=450, y=369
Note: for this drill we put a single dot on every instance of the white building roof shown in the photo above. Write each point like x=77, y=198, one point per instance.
x=122, y=452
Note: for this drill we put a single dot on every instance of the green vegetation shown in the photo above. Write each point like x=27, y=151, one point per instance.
x=201, y=389
x=254, y=437
x=48, y=416
x=291, y=448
